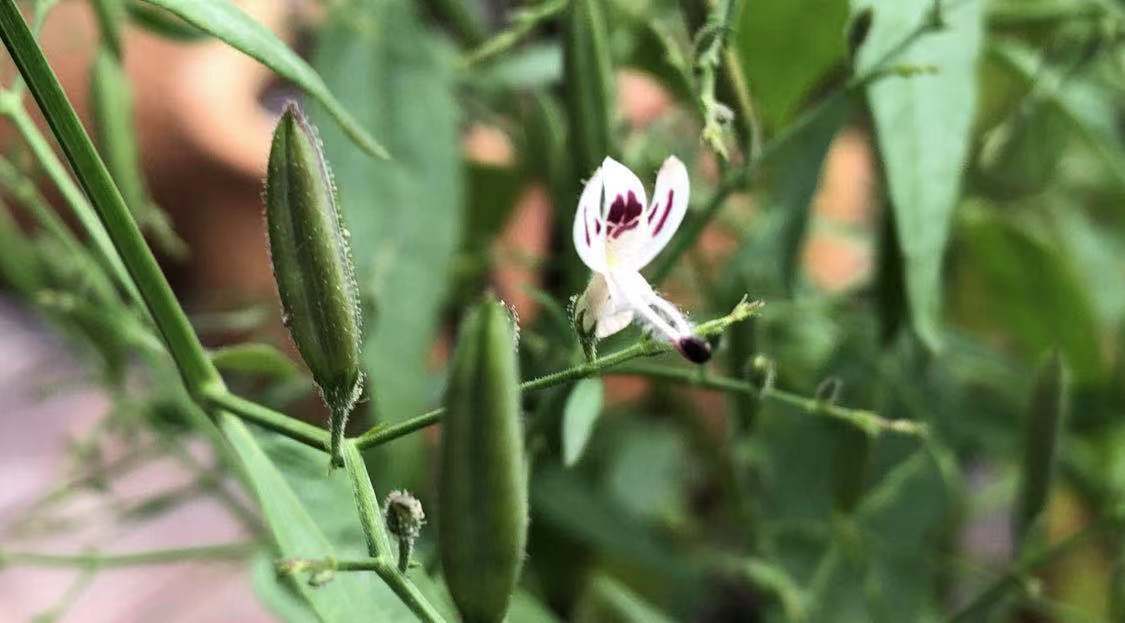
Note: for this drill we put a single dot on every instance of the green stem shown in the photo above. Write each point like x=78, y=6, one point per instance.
x=864, y=420
x=267, y=418
x=11, y=106
x=378, y=544
x=1013, y=577
x=646, y=347
x=194, y=365
x=523, y=22
x=227, y=551
x=740, y=178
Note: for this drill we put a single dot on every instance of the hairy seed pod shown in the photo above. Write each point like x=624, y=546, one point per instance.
x=483, y=491
x=313, y=268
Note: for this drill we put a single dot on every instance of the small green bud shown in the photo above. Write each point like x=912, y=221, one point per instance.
x=859, y=26
x=828, y=392
x=405, y=518
x=313, y=268
x=483, y=488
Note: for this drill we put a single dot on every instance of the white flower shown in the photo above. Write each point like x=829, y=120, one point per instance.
x=616, y=236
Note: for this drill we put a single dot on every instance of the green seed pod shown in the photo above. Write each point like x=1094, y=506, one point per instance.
x=483, y=489
x=1045, y=424
x=313, y=268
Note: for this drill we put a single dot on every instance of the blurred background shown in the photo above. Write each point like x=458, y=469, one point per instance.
x=932, y=218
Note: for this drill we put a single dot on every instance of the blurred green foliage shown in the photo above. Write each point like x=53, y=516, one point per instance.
x=993, y=225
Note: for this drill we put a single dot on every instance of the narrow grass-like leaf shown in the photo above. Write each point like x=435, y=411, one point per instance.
x=254, y=358
x=226, y=21
x=583, y=408
x=923, y=124
x=1043, y=427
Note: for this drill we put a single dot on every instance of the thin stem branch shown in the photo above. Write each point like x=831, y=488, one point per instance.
x=524, y=21
x=121, y=232
x=646, y=347
x=740, y=178
x=378, y=544
x=867, y=421
x=226, y=551
x=297, y=430
x=11, y=106
x=974, y=610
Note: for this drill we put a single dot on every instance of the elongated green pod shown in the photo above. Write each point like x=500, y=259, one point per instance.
x=313, y=268
x=111, y=100
x=110, y=15
x=588, y=73
x=483, y=489
x=1045, y=420
x=589, y=85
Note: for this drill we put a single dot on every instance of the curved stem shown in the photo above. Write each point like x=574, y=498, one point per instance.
x=378, y=544
x=267, y=418
x=646, y=347
x=228, y=551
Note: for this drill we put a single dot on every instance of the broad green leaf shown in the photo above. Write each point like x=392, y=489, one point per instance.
x=583, y=408
x=226, y=21
x=254, y=358
x=1011, y=282
x=299, y=523
x=783, y=66
x=923, y=124
x=405, y=215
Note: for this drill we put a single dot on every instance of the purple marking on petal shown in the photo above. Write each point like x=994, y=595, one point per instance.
x=667, y=211
x=598, y=227
x=620, y=229
x=587, y=224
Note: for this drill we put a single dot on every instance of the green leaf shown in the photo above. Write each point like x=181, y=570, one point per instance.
x=923, y=124
x=1034, y=298
x=581, y=413
x=796, y=174
x=784, y=68
x=226, y=21
x=111, y=99
x=254, y=358
x=405, y=216
x=301, y=524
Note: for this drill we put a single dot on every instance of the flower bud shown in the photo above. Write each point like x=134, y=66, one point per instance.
x=483, y=489
x=405, y=518
x=313, y=268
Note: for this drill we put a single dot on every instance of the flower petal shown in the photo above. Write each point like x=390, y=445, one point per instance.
x=669, y=205
x=589, y=226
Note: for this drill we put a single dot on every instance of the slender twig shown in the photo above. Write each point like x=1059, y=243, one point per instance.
x=1016, y=574
x=524, y=21
x=378, y=544
x=740, y=177
x=11, y=107
x=646, y=347
x=265, y=417
x=867, y=421
x=226, y=551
